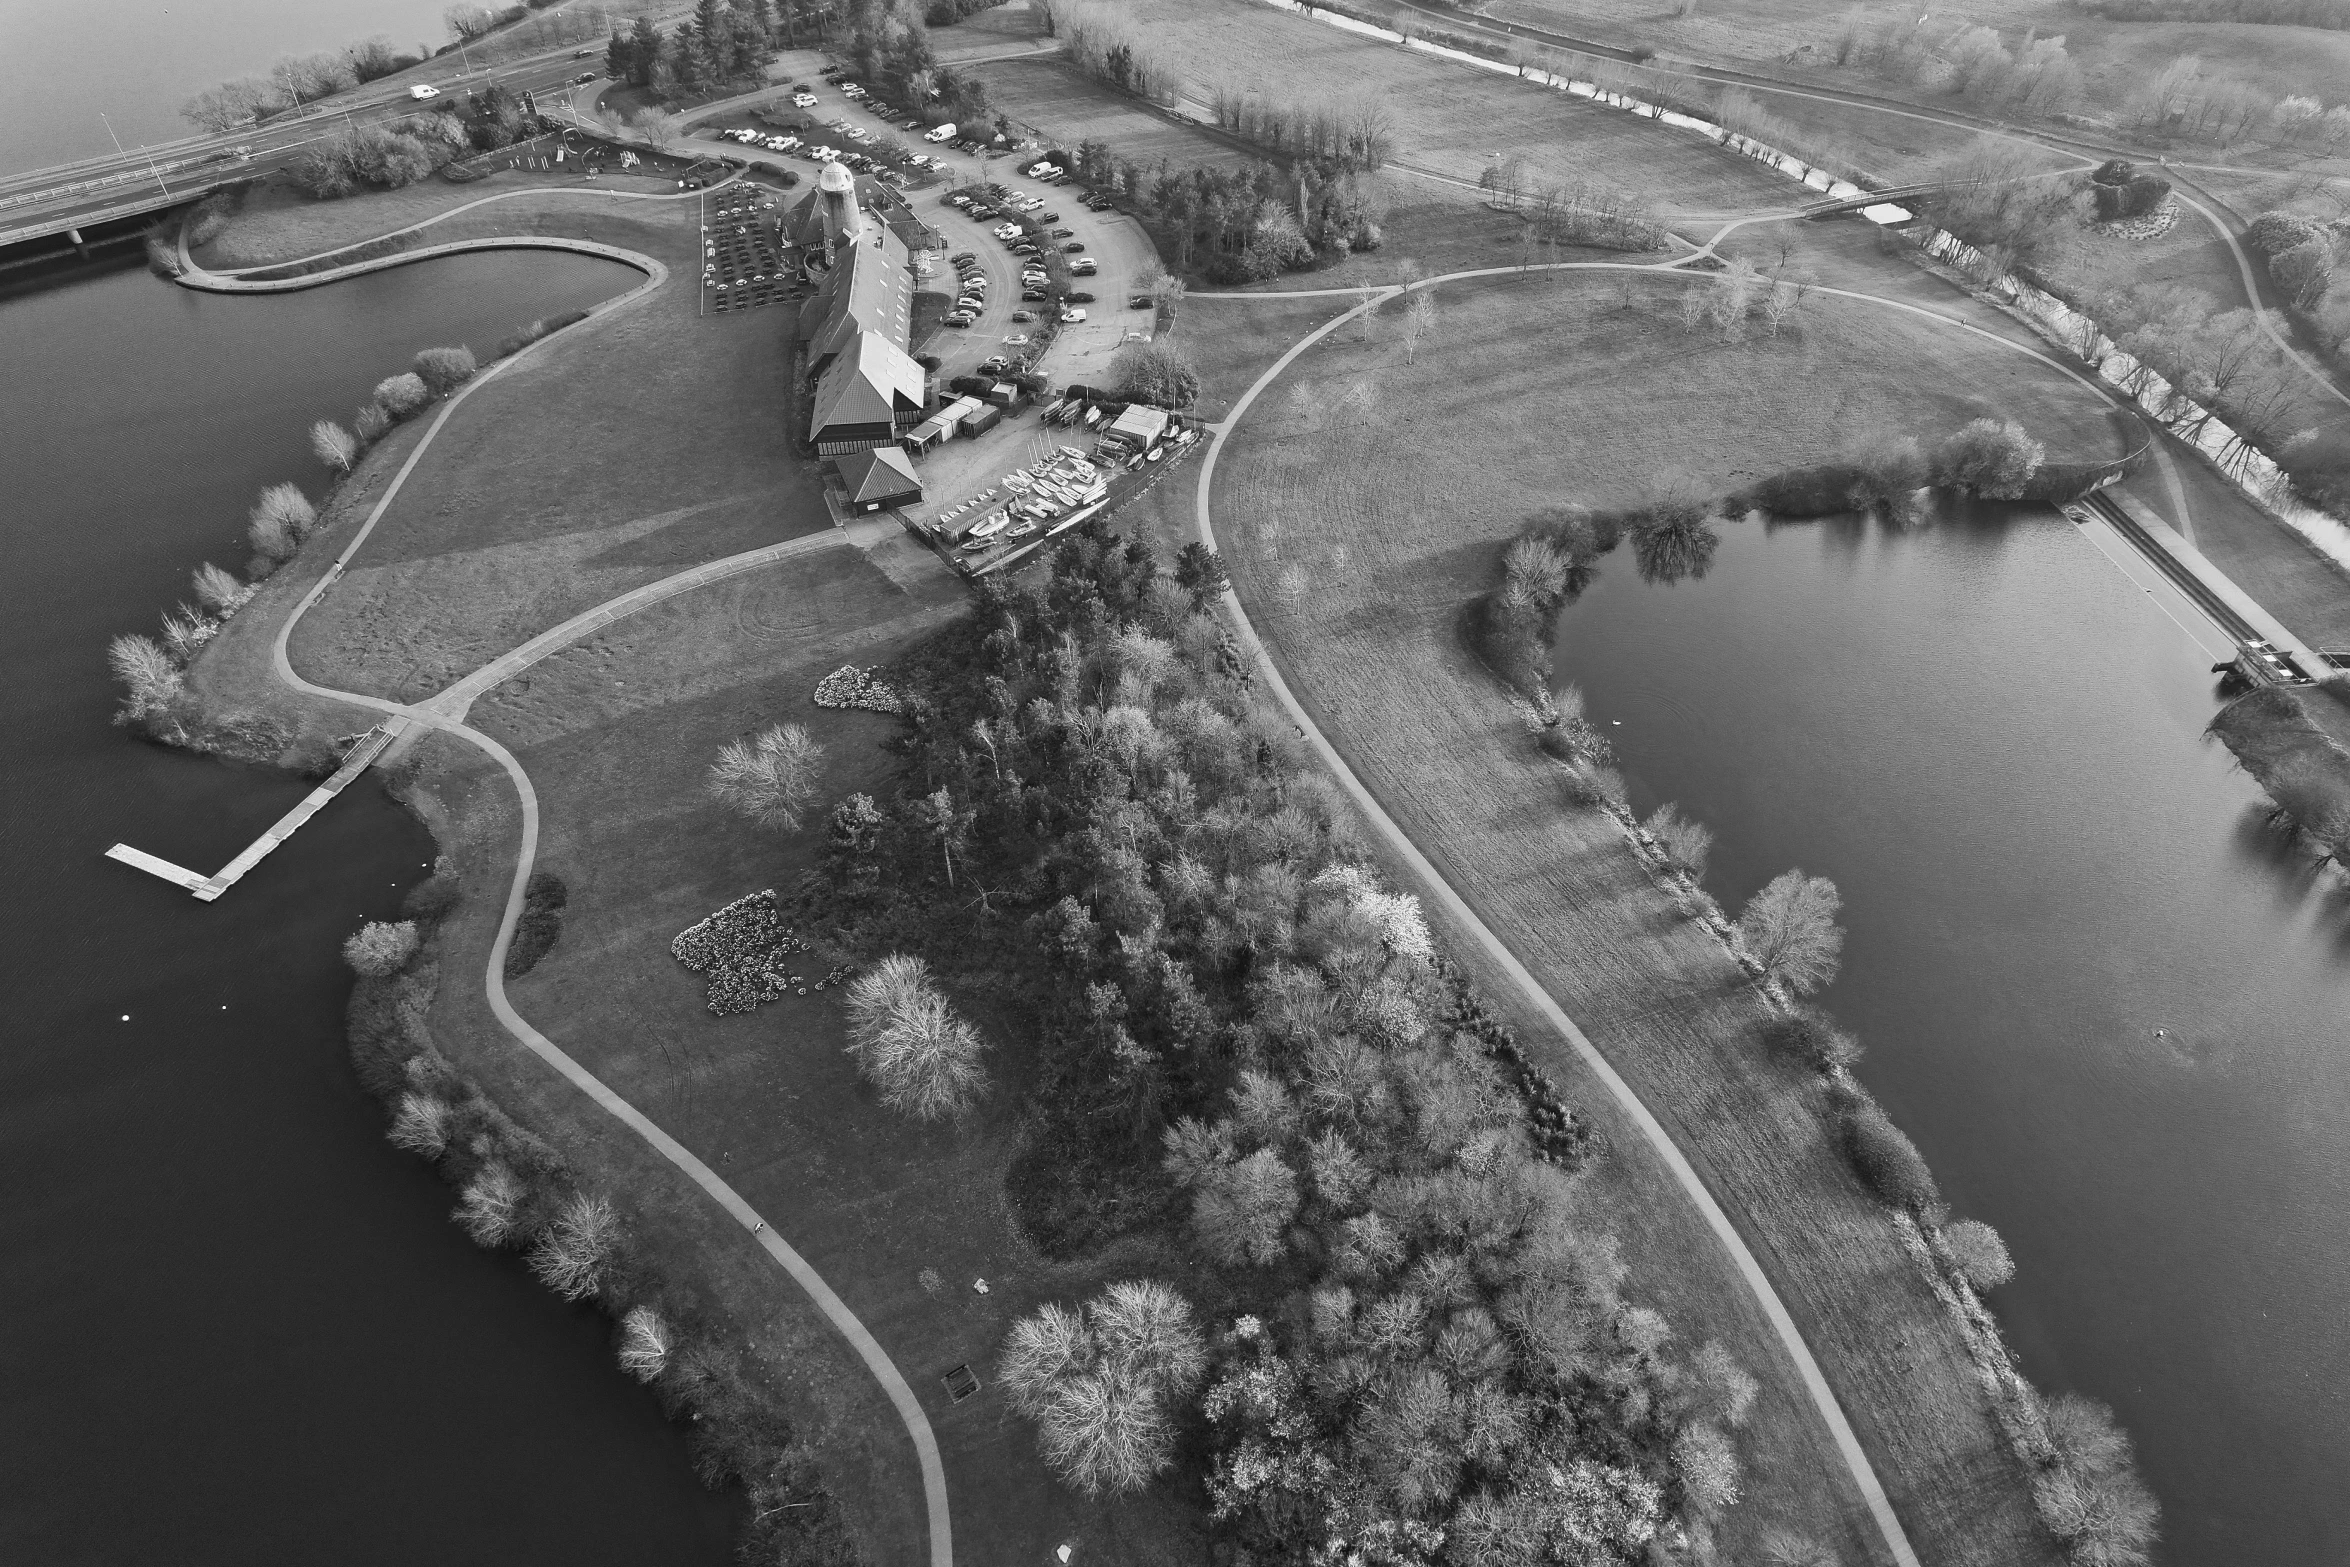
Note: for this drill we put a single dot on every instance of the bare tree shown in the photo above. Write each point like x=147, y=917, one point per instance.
x=333, y=445
x=1683, y=842
x=421, y=1125
x=909, y=1044
x=1419, y=323
x=468, y=22
x=490, y=1207
x=1980, y=1254
x=769, y=778
x=151, y=680
x=219, y=591
x=1790, y=931
x=1100, y=1382
x=645, y=1343
x=657, y=126
x=577, y=1251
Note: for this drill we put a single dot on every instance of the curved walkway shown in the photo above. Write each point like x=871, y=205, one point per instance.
x=239, y=280
x=431, y=715
x=1653, y=1131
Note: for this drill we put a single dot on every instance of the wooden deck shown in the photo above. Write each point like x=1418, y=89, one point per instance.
x=355, y=761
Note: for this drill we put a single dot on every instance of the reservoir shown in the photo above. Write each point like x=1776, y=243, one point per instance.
x=2104, y=997
x=239, y=1327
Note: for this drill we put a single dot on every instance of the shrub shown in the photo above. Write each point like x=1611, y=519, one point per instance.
x=769, y=778
x=219, y=591
x=443, y=370
x=333, y=445
x=401, y=395
x=1708, y=1467
x=576, y=1255
x=540, y=924
x=379, y=949
x=150, y=679
x=1887, y=1161
x=909, y=1044
x=1160, y=373
x=430, y=899
x=2273, y=233
x=1980, y=1254
x=371, y=423
x=421, y=1125
x=1683, y=842
x=1790, y=931
x=1812, y=1039
x=2305, y=271
x=1992, y=458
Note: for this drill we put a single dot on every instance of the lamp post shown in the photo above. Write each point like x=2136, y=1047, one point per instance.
x=118, y=152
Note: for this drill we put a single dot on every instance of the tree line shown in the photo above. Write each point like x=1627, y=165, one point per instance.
x=724, y=43
x=1402, y=1327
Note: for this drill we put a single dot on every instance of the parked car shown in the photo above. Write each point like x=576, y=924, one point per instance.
x=959, y=318
x=803, y=100
x=1034, y=294
x=1140, y=302
x=1064, y=233
x=1079, y=299
x=1071, y=317
x=1075, y=247
x=1020, y=316
x=1085, y=266
x=1048, y=217
x=966, y=257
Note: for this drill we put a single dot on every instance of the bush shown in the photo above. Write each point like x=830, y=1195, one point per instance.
x=371, y=423
x=1980, y=1254
x=443, y=370
x=379, y=949
x=2273, y=233
x=401, y=395
x=219, y=591
x=909, y=1044
x=645, y=1343
x=535, y=933
x=2304, y=272
x=1992, y=458
x=1683, y=842
x=577, y=1254
x=1887, y=1161
x=1160, y=373
x=1811, y=1038
x=1790, y=931
x=151, y=680
x=430, y=899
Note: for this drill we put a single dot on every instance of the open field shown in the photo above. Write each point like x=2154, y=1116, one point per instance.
x=1363, y=504
x=1067, y=107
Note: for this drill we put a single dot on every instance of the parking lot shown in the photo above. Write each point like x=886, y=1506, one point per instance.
x=1083, y=350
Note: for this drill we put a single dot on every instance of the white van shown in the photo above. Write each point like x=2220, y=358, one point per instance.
x=944, y=132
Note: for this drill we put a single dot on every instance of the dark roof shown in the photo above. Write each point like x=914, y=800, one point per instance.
x=882, y=474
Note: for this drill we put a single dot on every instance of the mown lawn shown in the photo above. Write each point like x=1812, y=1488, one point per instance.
x=616, y=734
x=1361, y=505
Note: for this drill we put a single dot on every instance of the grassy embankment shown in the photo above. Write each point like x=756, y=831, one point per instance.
x=639, y=444
x=1362, y=506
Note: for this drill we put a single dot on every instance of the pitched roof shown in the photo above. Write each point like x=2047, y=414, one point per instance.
x=867, y=384
x=867, y=290
x=877, y=475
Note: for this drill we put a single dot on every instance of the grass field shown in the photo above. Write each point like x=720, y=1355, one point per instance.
x=1362, y=504
x=1067, y=107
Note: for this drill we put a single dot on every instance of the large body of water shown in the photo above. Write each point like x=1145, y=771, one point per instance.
x=2108, y=1003
x=239, y=1327
x=136, y=61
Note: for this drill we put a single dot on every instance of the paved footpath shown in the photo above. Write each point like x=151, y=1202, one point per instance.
x=446, y=714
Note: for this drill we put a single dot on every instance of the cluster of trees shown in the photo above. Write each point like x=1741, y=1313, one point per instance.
x=2303, y=256
x=2120, y=189
x=295, y=80
x=516, y=1193
x=1426, y=1333
x=724, y=43
x=1739, y=295
x=1358, y=134
x=769, y=778
x=1588, y=212
x=908, y=1042
x=387, y=154
x=2274, y=13
x=2224, y=106
x=1105, y=1384
x=1098, y=41
x=2036, y=76
x=1160, y=372
x=2304, y=772
x=1255, y=223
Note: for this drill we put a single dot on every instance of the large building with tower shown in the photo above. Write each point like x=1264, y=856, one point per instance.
x=855, y=332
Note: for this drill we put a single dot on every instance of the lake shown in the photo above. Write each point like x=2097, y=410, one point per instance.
x=240, y=1328
x=2103, y=996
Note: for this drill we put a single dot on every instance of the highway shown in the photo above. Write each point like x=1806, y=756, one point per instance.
x=95, y=190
